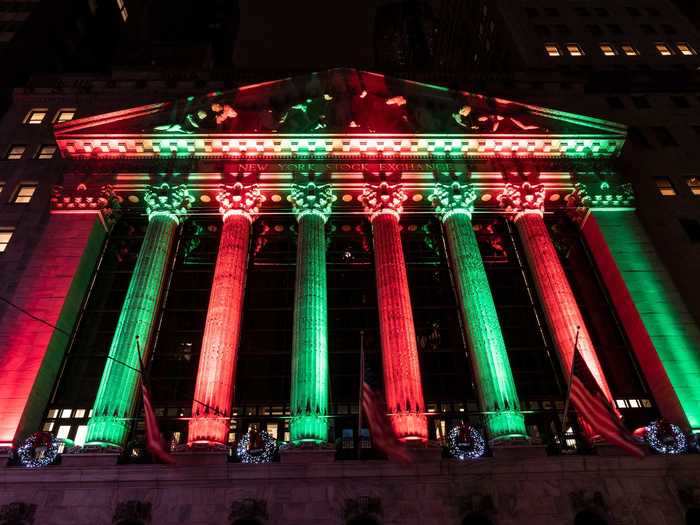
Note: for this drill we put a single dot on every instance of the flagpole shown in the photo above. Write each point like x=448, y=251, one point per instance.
x=362, y=384
x=568, y=389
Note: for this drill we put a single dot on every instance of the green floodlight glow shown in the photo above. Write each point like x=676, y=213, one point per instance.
x=675, y=335
x=493, y=375
x=117, y=394
x=309, y=395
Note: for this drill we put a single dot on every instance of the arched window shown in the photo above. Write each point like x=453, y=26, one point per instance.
x=589, y=517
x=692, y=516
x=476, y=519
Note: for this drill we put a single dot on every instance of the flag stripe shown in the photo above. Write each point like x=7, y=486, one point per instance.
x=383, y=437
x=595, y=410
x=154, y=440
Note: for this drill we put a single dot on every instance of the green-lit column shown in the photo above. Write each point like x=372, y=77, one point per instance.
x=117, y=394
x=309, y=396
x=494, y=378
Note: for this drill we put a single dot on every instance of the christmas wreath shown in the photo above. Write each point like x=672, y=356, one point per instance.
x=38, y=450
x=465, y=442
x=256, y=447
x=665, y=438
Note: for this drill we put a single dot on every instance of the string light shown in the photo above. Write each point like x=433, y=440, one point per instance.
x=665, y=442
x=473, y=447
x=27, y=452
x=258, y=455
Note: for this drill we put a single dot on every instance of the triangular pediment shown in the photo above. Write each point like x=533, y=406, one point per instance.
x=343, y=102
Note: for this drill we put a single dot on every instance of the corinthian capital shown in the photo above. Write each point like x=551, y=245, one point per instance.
x=165, y=199
x=524, y=198
x=312, y=198
x=239, y=199
x=453, y=198
x=383, y=198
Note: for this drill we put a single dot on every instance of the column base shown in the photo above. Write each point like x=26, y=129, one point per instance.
x=107, y=431
x=506, y=426
x=308, y=429
x=410, y=426
x=208, y=431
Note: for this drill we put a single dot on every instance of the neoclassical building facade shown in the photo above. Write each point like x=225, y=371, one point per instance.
x=240, y=248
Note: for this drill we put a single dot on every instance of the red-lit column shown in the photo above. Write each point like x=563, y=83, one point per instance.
x=402, y=381
x=556, y=297
x=213, y=394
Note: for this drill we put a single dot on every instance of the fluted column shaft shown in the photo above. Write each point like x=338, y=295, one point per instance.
x=402, y=380
x=116, y=396
x=494, y=377
x=556, y=297
x=213, y=393
x=309, y=392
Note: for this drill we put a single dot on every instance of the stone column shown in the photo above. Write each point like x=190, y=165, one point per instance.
x=213, y=393
x=556, y=297
x=309, y=395
x=117, y=394
x=498, y=397
x=402, y=382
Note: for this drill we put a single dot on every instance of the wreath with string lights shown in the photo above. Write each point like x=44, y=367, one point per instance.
x=465, y=442
x=39, y=450
x=256, y=447
x=665, y=438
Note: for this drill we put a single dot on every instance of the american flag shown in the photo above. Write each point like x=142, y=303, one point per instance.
x=594, y=409
x=383, y=437
x=154, y=441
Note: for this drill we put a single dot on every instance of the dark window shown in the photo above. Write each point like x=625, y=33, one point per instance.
x=691, y=228
x=542, y=30
x=615, y=103
x=648, y=29
x=600, y=11
x=563, y=29
x=582, y=11
x=476, y=519
x=680, y=101
x=615, y=29
x=668, y=29
x=551, y=11
x=664, y=136
x=531, y=12
x=637, y=137
x=652, y=11
x=692, y=516
x=640, y=102
x=588, y=517
x=633, y=11
x=696, y=129
x=594, y=29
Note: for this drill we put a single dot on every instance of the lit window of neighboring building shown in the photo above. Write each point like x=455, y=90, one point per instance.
x=574, y=50
x=122, y=9
x=16, y=152
x=665, y=187
x=35, y=116
x=663, y=49
x=46, y=152
x=694, y=184
x=685, y=49
x=552, y=50
x=629, y=50
x=25, y=193
x=5, y=236
x=608, y=50
x=64, y=115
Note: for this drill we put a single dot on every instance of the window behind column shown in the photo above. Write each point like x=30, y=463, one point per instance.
x=445, y=370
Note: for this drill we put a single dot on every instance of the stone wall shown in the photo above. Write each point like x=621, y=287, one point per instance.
x=310, y=489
